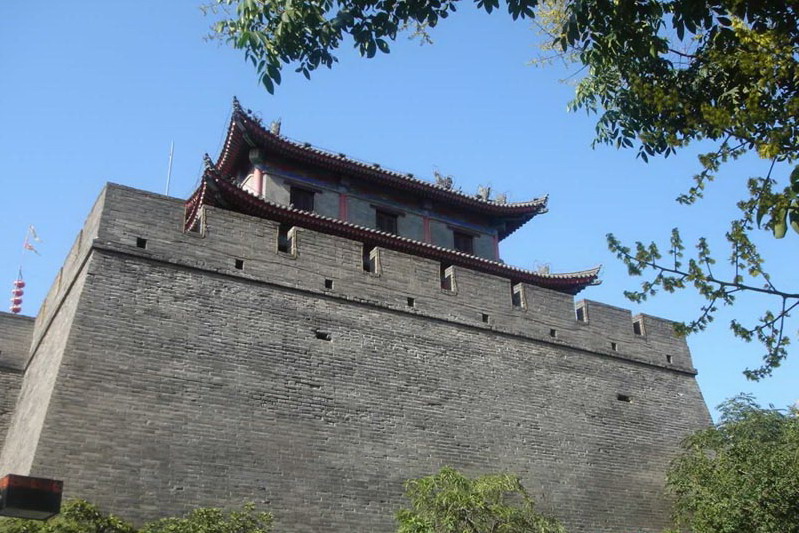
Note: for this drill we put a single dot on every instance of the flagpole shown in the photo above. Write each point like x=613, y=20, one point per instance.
x=18, y=284
x=24, y=249
x=169, y=170
x=17, y=290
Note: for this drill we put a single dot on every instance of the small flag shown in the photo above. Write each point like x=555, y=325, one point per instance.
x=33, y=234
x=29, y=246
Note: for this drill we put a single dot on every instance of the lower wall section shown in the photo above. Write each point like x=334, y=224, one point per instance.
x=180, y=388
x=10, y=382
x=37, y=385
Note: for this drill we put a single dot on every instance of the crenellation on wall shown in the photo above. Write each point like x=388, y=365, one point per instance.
x=665, y=344
x=608, y=330
x=555, y=308
x=479, y=293
x=611, y=326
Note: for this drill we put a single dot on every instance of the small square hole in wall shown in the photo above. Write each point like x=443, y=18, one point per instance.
x=624, y=398
x=324, y=335
x=285, y=239
x=239, y=264
x=370, y=259
x=411, y=302
x=517, y=295
x=328, y=284
x=141, y=243
x=637, y=328
x=447, y=277
x=486, y=318
x=553, y=333
x=581, y=316
x=614, y=346
x=669, y=359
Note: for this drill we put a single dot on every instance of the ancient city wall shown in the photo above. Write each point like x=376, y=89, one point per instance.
x=46, y=339
x=211, y=369
x=15, y=341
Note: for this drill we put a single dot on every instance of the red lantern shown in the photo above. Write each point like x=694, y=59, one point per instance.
x=18, y=283
x=16, y=301
x=16, y=309
x=17, y=292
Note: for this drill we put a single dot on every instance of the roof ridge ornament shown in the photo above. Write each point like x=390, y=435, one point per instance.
x=274, y=127
x=208, y=162
x=443, y=181
x=237, y=105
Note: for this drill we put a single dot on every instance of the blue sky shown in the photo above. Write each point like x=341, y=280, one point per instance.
x=95, y=91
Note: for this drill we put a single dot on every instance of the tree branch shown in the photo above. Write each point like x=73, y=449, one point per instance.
x=685, y=275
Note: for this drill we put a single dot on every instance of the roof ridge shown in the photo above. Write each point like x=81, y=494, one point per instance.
x=406, y=176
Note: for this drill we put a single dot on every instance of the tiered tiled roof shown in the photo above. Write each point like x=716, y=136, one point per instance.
x=222, y=192
x=245, y=132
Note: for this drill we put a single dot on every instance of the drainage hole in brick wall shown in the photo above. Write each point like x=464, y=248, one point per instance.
x=239, y=264
x=486, y=318
x=624, y=398
x=328, y=284
x=553, y=333
x=614, y=346
x=324, y=335
x=669, y=359
x=141, y=243
x=411, y=302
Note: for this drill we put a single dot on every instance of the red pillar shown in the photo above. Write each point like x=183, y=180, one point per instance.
x=258, y=177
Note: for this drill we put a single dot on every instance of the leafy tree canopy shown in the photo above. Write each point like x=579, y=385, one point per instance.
x=79, y=516
x=742, y=474
x=76, y=516
x=660, y=75
x=663, y=74
x=449, y=502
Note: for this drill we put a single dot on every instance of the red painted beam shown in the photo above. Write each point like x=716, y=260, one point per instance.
x=30, y=497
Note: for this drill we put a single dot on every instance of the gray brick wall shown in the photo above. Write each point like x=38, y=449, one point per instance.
x=46, y=338
x=25, y=428
x=185, y=381
x=10, y=382
x=15, y=342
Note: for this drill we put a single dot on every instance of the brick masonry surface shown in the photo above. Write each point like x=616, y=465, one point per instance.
x=164, y=378
x=15, y=342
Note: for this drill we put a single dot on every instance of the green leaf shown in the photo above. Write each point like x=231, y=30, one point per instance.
x=274, y=73
x=795, y=180
x=267, y=82
x=793, y=216
x=779, y=223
